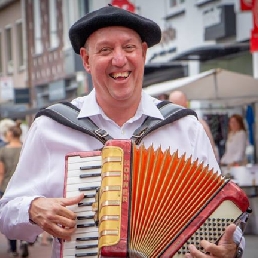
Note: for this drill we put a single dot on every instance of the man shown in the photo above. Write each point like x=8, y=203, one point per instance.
x=112, y=44
x=180, y=98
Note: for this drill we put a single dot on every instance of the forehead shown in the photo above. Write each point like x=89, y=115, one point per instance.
x=113, y=32
x=233, y=119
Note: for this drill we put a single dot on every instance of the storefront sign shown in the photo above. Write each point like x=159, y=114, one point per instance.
x=57, y=90
x=124, y=4
x=168, y=35
x=22, y=96
x=216, y=22
x=6, y=89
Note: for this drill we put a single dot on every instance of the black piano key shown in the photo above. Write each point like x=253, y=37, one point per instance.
x=85, y=217
x=90, y=175
x=85, y=246
x=86, y=225
x=89, y=167
x=87, y=188
x=89, y=195
x=86, y=255
x=86, y=238
x=81, y=204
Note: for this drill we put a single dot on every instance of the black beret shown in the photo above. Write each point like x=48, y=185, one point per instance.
x=79, y=32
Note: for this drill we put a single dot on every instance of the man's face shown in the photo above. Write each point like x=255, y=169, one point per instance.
x=115, y=58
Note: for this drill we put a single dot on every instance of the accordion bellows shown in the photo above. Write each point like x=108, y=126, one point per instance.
x=152, y=202
x=141, y=202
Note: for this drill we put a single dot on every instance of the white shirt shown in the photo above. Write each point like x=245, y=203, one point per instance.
x=40, y=171
x=235, y=148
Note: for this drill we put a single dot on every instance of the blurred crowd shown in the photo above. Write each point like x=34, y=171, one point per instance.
x=237, y=147
x=12, y=135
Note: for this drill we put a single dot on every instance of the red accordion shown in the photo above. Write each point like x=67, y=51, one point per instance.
x=151, y=203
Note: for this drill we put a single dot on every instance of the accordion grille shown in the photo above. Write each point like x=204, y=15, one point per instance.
x=167, y=191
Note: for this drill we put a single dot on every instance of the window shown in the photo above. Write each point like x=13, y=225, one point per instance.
x=54, y=42
x=83, y=7
x=174, y=3
x=37, y=27
x=20, y=45
x=1, y=57
x=9, y=49
x=70, y=18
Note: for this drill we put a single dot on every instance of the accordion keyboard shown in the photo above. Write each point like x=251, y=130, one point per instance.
x=83, y=176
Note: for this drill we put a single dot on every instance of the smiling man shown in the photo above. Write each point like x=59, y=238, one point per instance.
x=112, y=44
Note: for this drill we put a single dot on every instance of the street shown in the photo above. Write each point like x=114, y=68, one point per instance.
x=36, y=251
x=39, y=251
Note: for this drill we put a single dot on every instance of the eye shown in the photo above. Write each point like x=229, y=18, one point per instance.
x=105, y=50
x=129, y=48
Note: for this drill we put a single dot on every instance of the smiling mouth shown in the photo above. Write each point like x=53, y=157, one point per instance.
x=122, y=75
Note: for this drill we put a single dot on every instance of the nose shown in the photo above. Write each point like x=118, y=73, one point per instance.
x=119, y=58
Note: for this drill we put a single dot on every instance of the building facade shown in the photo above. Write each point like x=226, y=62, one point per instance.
x=36, y=55
x=14, y=94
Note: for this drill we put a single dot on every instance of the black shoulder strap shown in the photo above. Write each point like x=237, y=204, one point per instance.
x=171, y=112
x=66, y=113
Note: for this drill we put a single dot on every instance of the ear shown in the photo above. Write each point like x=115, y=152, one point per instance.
x=144, y=49
x=85, y=58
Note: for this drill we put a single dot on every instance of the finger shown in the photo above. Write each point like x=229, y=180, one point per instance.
x=64, y=212
x=65, y=222
x=212, y=248
x=71, y=200
x=227, y=237
x=59, y=232
x=195, y=252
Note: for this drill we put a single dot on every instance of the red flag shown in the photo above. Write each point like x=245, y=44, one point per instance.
x=246, y=5
x=124, y=4
x=254, y=38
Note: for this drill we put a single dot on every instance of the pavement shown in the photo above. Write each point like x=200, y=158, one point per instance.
x=35, y=251
x=39, y=251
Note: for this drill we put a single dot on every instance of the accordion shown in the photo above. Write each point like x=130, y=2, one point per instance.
x=141, y=202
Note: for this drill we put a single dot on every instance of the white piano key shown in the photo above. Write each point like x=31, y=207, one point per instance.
x=85, y=187
x=72, y=252
x=88, y=234
x=84, y=237
x=77, y=192
x=78, y=159
x=80, y=181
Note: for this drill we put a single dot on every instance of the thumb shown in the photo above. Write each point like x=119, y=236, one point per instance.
x=71, y=200
x=227, y=237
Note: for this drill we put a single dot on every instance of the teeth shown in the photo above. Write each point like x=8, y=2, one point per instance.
x=124, y=74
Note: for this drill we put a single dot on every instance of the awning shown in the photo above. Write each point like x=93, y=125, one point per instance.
x=159, y=72
x=210, y=52
x=215, y=85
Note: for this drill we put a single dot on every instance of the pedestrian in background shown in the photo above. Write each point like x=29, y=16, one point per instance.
x=236, y=142
x=4, y=125
x=9, y=157
x=180, y=98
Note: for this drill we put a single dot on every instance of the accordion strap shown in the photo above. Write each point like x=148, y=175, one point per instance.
x=170, y=112
x=67, y=114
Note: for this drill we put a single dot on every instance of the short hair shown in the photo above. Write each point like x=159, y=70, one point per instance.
x=5, y=124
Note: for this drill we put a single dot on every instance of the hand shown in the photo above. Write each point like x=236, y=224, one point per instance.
x=226, y=247
x=53, y=217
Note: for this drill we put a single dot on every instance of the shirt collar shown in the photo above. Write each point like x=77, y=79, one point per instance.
x=147, y=107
